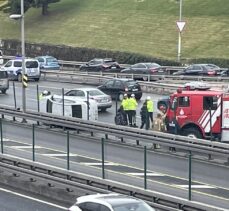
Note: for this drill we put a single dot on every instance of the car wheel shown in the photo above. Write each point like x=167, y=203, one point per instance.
x=37, y=79
x=19, y=77
x=121, y=96
x=4, y=91
x=192, y=133
x=103, y=109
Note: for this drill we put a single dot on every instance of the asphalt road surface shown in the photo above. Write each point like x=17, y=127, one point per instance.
x=56, y=88
x=13, y=200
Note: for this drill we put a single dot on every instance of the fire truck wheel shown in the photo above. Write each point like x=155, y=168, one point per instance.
x=192, y=133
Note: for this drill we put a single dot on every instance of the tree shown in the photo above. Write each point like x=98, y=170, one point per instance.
x=15, y=5
x=44, y=5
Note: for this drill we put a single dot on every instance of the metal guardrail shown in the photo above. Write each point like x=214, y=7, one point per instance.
x=134, y=134
x=72, y=181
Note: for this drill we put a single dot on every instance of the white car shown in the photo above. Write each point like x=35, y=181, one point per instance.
x=14, y=69
x=109, y=202
x=103, y=100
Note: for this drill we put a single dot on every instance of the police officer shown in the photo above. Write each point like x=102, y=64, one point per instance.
x=124, y=105
x=149, y=104
x=45, y=93
x=132, y=105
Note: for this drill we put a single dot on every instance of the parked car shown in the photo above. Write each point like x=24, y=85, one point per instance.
x=4, y=81
x=109, y=202
x=48, y=63
x=103, y=100
x=117, y=87
x=143, y=70
x=224, y=73
x=1, y=58
x=14, y=69
x=107, y=64
x=200, y=69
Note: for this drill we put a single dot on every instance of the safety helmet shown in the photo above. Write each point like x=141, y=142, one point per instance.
x=148, y=98
x=132, y=95
x=45, y=92
x=125, y=95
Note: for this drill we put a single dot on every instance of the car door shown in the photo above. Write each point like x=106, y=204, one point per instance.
x=108, y=88
x=118, y=88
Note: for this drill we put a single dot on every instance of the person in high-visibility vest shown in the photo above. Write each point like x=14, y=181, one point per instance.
x=149, y=104
x=132, y=105
x=124, y=105
x=45, y=93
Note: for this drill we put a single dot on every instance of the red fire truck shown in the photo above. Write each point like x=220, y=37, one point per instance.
x=198, y=114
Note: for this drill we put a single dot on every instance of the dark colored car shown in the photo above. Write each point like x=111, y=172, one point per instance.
x=106, y=64
x=117, y=87
x=200, y=69
x=143, y=70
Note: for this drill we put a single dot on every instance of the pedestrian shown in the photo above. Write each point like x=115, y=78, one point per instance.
x=150, y=109
x=144, y=116
x=125, y=106
x=45, y=93
x=158, y=124
x=132, y=107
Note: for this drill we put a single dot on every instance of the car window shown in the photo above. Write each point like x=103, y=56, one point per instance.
x=51, y=59
x=17, y=63
x=90, y=206
x=104, y=208
x=152, y=65
x=197, y=67
x=77, y=93
x=184, y=101
x=141, y=66
x=40, y=59
x=133, y=207
x=31, y=64
x=109, y=84
x=95, y=92
x=117, y=84
x=8, y=64
x=135, y=66
x=210, y=102
x=130, y=83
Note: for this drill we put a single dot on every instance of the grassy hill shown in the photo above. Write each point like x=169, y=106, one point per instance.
x=143, y=26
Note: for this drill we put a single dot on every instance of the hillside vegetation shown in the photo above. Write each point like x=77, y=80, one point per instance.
x=143, y=26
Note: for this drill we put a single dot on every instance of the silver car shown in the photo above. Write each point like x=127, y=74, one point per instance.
x=103, y=100
x=109, y=202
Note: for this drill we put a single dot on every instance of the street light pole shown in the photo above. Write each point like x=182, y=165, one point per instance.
x=21, y=17
x=23, y=55
x=179, y=39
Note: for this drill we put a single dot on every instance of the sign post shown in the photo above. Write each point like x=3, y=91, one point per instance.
x=180, y=25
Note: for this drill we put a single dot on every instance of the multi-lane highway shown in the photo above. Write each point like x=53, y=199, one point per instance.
x=167, y=172
x=11, y=199
x=56, y=88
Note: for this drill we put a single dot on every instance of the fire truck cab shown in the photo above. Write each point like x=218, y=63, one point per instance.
x=199, y=114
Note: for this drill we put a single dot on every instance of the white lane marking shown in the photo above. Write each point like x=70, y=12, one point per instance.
x=196, y=186
x=26, y=147
x=58, y=155
x=34, y=199
x=148, y=174
x=99, y=164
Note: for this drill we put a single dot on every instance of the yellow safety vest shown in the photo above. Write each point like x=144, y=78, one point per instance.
x=124, y=104
x=149, y=105
x=132, y=104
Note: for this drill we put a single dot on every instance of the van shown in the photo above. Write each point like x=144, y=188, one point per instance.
x=4, y=81
x=14, y=69
x=53, y=104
